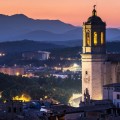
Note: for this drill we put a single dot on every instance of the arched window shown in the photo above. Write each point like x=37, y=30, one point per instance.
x=87, y=38
x=95, y=38
x=102, y=38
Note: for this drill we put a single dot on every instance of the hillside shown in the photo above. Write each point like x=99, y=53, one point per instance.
x=41, y=35
x=15, y=26
x=12, y=86
x=72, y=49
x=29, y=45
x=26, y=45
x=19, y=27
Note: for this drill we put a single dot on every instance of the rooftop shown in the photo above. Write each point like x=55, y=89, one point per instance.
x=114, y=57
x=112, y=85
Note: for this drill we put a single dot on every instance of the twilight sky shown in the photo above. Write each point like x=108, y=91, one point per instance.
x=71, y=11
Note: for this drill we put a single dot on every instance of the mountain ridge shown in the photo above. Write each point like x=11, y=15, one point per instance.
x=26, y=45
x=19, y=26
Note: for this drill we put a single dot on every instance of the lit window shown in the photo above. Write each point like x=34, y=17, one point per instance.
x=102, y=38
x=95, y=38
x=88, y=39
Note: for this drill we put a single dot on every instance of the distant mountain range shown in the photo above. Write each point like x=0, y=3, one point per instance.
x=26, y=45
x=20, y=27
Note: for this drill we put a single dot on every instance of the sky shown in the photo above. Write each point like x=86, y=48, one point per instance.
x=70, y=11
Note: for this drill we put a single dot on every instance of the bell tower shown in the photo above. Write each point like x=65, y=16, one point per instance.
x=94, y=35
x=93, y=55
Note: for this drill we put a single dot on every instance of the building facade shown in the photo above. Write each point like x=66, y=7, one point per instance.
x=98, y=67
x=112, y=92
x=12, y=70
x=36, y=55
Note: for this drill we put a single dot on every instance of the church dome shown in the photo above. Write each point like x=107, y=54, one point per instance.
x=94, y=19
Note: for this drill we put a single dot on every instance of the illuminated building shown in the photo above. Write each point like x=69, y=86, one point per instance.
x=36, y=55
x=60, y=76
x=112, y=92
x=98, y=67
x=23, y=97
x=74, y=68
x=12, y=70
x=75, y=100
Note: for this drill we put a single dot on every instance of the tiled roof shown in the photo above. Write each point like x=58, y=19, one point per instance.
x=97, y=107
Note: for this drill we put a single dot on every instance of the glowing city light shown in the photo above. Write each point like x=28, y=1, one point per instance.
x=46, y=97
x=75, y=65
x=23, y=97
x=2, y=54
x=75, y=99
x=1, y=94
x=17, y=73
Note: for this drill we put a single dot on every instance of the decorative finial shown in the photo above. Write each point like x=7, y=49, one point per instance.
x=94, y=6
x=94, y=11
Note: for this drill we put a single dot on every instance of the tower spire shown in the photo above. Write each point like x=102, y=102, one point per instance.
x=94, y=12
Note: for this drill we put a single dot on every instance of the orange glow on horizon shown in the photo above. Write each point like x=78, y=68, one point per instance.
x=69, y=11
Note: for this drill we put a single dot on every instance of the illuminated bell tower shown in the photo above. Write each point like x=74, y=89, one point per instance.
x=93, y=55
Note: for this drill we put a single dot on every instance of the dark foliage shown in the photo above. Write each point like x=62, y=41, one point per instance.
x=58, y=89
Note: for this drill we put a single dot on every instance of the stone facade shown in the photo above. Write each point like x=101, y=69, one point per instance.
x=112, y=92
x=98, y=67
x=92, y=74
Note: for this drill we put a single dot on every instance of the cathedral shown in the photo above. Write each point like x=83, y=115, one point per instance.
x=98, y=67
